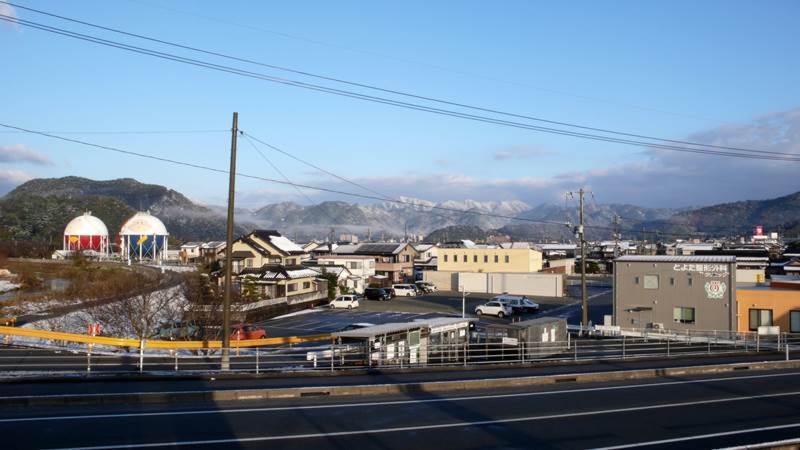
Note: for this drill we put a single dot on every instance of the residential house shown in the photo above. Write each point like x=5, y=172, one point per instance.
x=190, y=252
x=344, y=278
x=360, y=267
x=394, y=262
x=211, y=252
x=426, y=259
x=271, y=262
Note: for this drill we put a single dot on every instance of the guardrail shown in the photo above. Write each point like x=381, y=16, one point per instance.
x=55, y=336
x=89, y=354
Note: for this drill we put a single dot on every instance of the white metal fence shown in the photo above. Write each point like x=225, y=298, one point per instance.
x=51, y=357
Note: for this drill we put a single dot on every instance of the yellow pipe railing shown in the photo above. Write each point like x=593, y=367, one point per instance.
x=124, y=342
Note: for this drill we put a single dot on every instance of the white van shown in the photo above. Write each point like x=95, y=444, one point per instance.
x=404, y=290
x=345, y=301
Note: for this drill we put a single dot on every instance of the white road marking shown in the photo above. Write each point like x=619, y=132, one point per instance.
x=386, y=403
x=708, y=436
x=442, y=425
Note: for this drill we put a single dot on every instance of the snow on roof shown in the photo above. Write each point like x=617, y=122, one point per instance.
x=284, y=244
x=551, y=247
x=346, y=249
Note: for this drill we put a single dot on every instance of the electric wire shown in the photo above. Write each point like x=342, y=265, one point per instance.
x=386, y=90
x=760, y=154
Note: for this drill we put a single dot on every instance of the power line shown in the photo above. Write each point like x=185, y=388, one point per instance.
x=270, y=180
x=317, y=188
x=304, y=186
x=124, y=132
x=283, y=175
x=380, y=99
x=334, y=175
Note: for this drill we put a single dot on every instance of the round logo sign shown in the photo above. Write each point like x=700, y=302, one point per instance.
x=715, y=289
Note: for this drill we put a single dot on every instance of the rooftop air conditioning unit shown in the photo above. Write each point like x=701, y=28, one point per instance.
x=656, y=326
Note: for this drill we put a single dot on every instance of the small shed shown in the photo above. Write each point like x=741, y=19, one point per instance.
x=425, y=341
x=538, y=337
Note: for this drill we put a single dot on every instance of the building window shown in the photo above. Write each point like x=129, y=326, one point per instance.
x=355, y=265
x=291, y=262
x=672, y=281
x=455, y=258
x=496, y=259
x=682, y=314
x=248, y=263
x=690, y=281
x=445, y=258
x=651, y=281
x=635, y=280
x=507, y=258
x=474, y=258
x=291, y=287
x=306, y=285
x=486, y=258
x=760, y=318
x=794, y=321
x=406, y=258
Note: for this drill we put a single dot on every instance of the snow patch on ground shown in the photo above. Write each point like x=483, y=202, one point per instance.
x=6, y=286
x=174, y=268
x=299, y=313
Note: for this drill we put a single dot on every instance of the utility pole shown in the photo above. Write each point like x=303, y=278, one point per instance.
x=616, y=235
x=580, y=232
x=226, y=302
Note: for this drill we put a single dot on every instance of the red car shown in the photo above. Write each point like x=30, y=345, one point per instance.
x=243, y=332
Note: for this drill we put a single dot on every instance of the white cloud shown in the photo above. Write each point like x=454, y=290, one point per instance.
x=10, y=178
x=663, y=179
x=521, y=152
x=9, y=10
x=20, y=153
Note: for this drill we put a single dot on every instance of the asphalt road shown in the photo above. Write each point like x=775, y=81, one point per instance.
x=690, y=412
x=113, y=384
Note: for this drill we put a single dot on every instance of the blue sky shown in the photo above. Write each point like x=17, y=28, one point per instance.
x=724, y=72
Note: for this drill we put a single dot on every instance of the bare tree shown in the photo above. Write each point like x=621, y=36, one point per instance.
x=204, y=304
x=140, y=315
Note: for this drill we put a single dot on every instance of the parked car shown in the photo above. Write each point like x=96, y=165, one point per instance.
x=377, y=294
x=345, y=301
x=518, y=303
x=426, y=286
x=494, y=308
x=356, y=326
x=404, y=290
x=177, y=331
x=245, y=331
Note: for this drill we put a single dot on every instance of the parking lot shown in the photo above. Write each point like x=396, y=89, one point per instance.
x=404, y=309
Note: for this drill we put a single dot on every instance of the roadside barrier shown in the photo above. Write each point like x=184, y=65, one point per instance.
x=135, y=343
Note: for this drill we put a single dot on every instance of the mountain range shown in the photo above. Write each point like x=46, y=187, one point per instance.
x=40, y=209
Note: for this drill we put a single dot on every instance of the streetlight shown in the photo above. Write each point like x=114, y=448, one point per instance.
x=464, y=295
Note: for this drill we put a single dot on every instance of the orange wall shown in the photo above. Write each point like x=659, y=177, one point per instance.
x=780, y=301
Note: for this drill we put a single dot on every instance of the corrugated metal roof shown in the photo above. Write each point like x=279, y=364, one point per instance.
x=677, y=259
x=397, y=327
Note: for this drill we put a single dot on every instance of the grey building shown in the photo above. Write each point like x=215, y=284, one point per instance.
x=675, y=292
